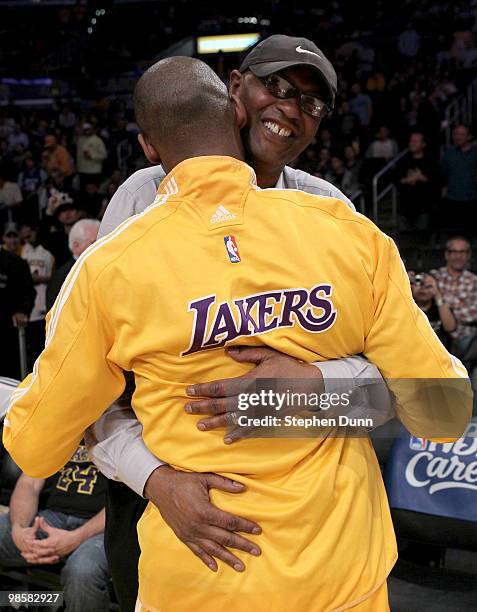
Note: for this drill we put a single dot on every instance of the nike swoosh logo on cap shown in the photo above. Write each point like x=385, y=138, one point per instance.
x=300, y=50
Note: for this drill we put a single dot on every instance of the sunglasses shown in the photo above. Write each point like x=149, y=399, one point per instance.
x=280, y=88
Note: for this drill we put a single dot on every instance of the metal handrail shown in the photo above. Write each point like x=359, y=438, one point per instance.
x=460, y=109
x=376, y=196
x=359, y=196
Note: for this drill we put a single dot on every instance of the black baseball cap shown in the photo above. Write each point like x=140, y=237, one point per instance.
x=278, y=52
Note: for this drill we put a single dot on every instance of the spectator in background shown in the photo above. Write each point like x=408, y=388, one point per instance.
x=39, y=133
x=67, y=120
x=90, y=201
x=61, y=214
x=459, y=167
x=326, y=139
x=41, y=263
x=383, y=146
x=352, y=163
x=376, y=82
x=90, y=155
x=69, y=530
x=409, y=42
x=31, y=177
x=18, y=137
x=347, y=122
x=17, y=296
x=458, y=287
x=18, y=157
x=417, y=175
x=11, y=239
x=341, y=177
x=361, y=105
x=7, y=165
x=109, y=186
x=428, y=297
x=10, y=198
x=56, y=157
x=82, y=235
x=30, y=181
x=429, y=121
x=323, y=166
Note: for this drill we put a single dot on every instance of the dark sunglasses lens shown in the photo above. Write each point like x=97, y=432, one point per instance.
x=313, y=106
x=279, y=87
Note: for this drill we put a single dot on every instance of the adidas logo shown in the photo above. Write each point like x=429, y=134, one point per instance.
x=221, y=215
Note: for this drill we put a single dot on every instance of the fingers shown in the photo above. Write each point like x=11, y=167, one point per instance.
x=42, y=523
x=45, y=546
x=238, y=433
x=48, y=560
x=225, y=387
x=219, y=552
x=214, y=388
x=209, y=406
x=250, y=354
x=203, y=556
x=233, y=540
x=231, y=522
x=39, y=560
x=214, y=481
x=222, y=420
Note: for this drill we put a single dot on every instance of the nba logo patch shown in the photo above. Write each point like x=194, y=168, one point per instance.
x=232, y=249
x=417, y=443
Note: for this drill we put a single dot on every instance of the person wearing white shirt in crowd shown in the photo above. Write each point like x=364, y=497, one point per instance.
x=41, y=264
x=90, y=155
x=383, y=147
x=10, y=196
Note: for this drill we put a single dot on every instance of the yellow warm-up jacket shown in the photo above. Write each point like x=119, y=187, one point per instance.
x=216, y=262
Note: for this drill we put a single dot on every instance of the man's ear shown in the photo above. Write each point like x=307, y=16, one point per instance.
x=235, y=86
x=149, y=151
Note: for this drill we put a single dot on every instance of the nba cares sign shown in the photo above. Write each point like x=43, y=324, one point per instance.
x=432, y=478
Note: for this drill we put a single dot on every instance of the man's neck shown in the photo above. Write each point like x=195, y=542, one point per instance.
x=418, y=155
x=169, y=163
x=266, y=177
x=453, y=272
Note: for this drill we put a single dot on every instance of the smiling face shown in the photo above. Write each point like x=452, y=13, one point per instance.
x=277, y=130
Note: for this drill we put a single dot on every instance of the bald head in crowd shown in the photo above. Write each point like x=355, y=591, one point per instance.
x=183, y=110
x=82, y=235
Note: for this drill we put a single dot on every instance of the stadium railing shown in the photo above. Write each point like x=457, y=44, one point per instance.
x=460, y=110
x=391, y=188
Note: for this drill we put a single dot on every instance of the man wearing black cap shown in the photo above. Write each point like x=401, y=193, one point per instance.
x=286, y=86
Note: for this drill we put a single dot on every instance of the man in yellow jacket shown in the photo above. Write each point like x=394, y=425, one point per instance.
x=233, y=272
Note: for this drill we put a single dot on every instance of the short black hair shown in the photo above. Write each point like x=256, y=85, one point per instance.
x=180, y=98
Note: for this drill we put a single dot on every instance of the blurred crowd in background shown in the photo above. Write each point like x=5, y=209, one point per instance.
x=68, y=140
x=63, y=161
